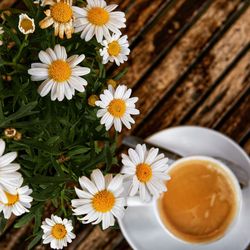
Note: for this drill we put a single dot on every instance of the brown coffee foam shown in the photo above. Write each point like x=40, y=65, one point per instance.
x=200, y=202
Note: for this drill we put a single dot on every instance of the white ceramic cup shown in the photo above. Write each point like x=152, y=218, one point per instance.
x=135, y=201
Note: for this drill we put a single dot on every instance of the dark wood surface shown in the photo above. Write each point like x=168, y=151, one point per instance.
x=189, y=64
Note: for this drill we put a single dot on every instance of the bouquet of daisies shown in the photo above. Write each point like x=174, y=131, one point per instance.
x=60, y=111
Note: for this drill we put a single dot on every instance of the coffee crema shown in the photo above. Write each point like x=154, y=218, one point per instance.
x=200, y=203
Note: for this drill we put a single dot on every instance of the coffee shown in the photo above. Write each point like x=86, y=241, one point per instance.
x=200, y=203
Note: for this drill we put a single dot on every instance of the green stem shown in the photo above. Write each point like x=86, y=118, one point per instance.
x=62, y=203
x=24, y=44
x=15, y=65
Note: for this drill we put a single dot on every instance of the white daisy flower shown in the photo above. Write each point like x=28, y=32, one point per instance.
x=10, y=179
x=60, y=15
x=100, y=200
x=57, y=232
x=98, y=19
x=147, y=170
x=26, y=25
x=18, y=203
x=115, y=49
x=117, y=107
x=61, y=74
x=1, y=32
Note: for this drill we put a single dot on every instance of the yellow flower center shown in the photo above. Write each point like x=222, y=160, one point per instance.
x=143, y=172
x=98, y=16
x=59, y=71
x=26, y=24
x=117, y=108
x=112, y=82
x=12, y=198
x=103, y=201
x=58, y=231
x=61, y=12
x=92, y=99
x=114, y=48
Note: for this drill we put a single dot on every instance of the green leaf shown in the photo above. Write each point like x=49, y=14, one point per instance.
x=38, y=220
x=78, y=151
x=30, y=5
x=121, y=74
x=24, y=111
x=35, y=240
x=24, y=220
x=3, y=223
x=47, y=179
x=108, y=157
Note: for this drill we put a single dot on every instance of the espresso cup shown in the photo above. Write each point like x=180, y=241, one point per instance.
x=184, y=213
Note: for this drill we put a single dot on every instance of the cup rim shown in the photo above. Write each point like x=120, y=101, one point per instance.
x=236, y=188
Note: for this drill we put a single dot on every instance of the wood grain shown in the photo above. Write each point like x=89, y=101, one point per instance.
x=239, y=120
x=159, y=39
x=246, y=147
x=201, y=78
x=140, y=14
x=237, y=82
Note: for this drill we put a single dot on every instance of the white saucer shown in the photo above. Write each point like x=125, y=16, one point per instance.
x=139, y=225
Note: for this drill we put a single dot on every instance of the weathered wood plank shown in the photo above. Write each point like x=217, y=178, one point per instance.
x=98, y=239
x=238, y=124
x=140, y=14
x=15, y=237
x=246, y=147
x=161, y=37
x=123, y=246
x=224, y=95
x=180, y=100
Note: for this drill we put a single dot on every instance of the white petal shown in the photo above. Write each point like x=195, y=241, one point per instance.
x=73, y=82
x=118, y=124
x=45, y=87
x=2, y=146
x=80, y=71
x=151, y=155
x=117, y=212
x=7, y=158
x=98, y=178
x=83, y=194
x=44, y=57
x=78, y=60
x=89, y=185
x=116, y=183
x=84, y=209
x=134, y=156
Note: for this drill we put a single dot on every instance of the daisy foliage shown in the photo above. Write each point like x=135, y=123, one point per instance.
x=60, y=111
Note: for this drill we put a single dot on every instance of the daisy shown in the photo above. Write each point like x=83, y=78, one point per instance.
x=1, y=32
x=61, y=74
x=26, y=24
x=100, y=199
x=10, y=179
x=18, y=203
x=117, y=107
x=147, y=170
x=60, y=15
x=57, y=232
x=98, y=19
x=115, y=49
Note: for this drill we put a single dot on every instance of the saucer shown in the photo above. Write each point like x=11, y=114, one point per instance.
x=140, y=226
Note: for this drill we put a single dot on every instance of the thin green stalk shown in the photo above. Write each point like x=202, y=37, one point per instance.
x=23, y=45
x=14, y=65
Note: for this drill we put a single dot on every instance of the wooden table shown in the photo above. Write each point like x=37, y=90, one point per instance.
x=189, y=64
